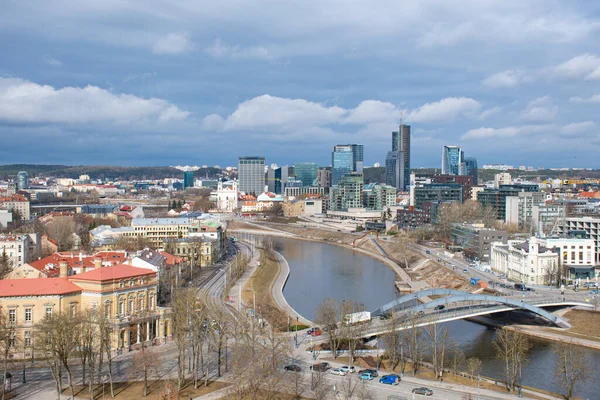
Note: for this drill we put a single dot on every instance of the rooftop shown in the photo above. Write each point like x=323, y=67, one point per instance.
x=116, y=272
x=37, y=286
x=159, y=221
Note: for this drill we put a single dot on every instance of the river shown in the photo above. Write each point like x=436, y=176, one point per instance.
x=321, y=270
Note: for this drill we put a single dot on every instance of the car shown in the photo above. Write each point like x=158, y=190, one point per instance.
x=530, y=289
x=465, y=270
x=322, y=367
x=423, y=391
x=311, y=330
x=317, y=332
x=391, y=379
x=385, y=316
x=452, y=265
x=347, y=368
x=370, y=371
x=292, y=367
x=366, y=376
x=421, y=314
x=428, y=252
x=439, y=307
x=337, y=371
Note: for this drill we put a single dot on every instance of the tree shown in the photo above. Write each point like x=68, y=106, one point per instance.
x=511, y=347
x=404, y=243
x=389, y=213
x=61, y=229
x=393, y=343
x=183, y=303
x=413, y=342
x=473, y=366
x=6, y=265
x=438, y=344
x=7, y=344
x=572, y=367
x=457, y=359
x=328, y=316
x=144, y=361
x=352, y=333
x=89, y=346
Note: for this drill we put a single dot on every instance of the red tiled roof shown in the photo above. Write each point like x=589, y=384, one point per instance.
x=171, y=259
x=36, y=286
x=72, y=259
x=115, y=272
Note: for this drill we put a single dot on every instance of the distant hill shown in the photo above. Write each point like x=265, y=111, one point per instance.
x=102, y=172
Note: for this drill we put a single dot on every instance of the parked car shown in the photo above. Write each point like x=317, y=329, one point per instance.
x=338, y=371
x=370, y=371
x=348, y=368
x=316, y=332
x=366, y=376
x=292, y=367
x=324, y=366
x=391, y=379
x=465, y=270
x=423, y=391
x=439, y=307
x=428, y=252
x=385, y=316
x=311, y=330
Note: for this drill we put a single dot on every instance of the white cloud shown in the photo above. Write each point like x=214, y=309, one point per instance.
x=213, y=122
x=25, y=101
x=540, y=109
x=172, y=43
x=505, y=79
x=371, y=111
x=585, y=66
x=444, y=110
x=489, y=112
x=221, y=49
x=511, y=131
x=579, y=129
x=54, y=62
x=583, y=100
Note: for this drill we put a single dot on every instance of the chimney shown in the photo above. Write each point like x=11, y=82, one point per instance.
x=97, y=263
x=80, y=256
x=64, y=269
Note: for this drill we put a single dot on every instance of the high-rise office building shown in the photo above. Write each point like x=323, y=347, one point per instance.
x=306, y=172
x=345, y=159
x=251, y=175
x=451, y=160
x=22, y=180
x=401, y=142
x=324, y=177
x=188, y=179
x=469, y=168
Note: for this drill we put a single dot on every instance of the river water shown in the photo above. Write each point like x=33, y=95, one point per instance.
x=320, y=270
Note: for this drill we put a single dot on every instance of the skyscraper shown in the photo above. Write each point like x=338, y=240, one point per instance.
x=251, y=175
x=346, y=158
x=469, y=167
x=451, y=160
x=397, y=162
x=22, y=180
x=188, y=179
x=306, y=172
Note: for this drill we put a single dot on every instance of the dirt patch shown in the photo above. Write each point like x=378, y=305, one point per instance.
x=135, y=390
x=243, y=225
x=438, y=276
x=584, y=322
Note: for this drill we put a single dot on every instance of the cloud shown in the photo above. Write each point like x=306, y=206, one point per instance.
x=213, y=122
x=586, y=66
x=511, y=131
x=54, y=62
x=371, y=111
x=221, y=49
x=489, y=112
x=584, y=100
x=446, y=109
x=172, y=43
x=540, y=109
x=505, y=79
x=578, y=129
x=23, y=101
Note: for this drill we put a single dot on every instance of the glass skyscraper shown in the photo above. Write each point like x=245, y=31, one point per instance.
x=400, y=151
x=469, y=167
x=345, y=159
x=188, y=179
x=451, y=160
x=306, y=172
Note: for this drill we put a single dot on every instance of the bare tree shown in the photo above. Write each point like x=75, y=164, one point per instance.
x=392, y=341
x=89, y=346
x=104, y=336
x=511, y=347
x=438, y=344
x=219, y=331
x=61, y=229
x=413, y=340
x=351, y=332
x=572, y=367
x=144, y=362
x=182, y=305
x=328, y=316
x=473, y=366
x=7, y=344
x=457, y=359
x=6, y=265
x=319, y=386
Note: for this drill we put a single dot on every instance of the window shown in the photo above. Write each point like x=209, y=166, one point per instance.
x=73, y=309
x=121, y=307
x=141, y=303
x=131, y=306
x=152, y=301
x=131, y=282
x=27, y=338
x=12, y=316
x=121, y=284
x=11, y=339
x=48, y=312
x=107, y=309
x=28, y=315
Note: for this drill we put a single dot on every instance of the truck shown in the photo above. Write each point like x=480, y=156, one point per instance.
x=357, y=317
x=474, y=281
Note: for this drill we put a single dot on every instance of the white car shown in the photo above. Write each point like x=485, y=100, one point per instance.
x=338, y=371
x=347, y=368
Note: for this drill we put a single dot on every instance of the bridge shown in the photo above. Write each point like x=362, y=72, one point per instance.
x=409, y=313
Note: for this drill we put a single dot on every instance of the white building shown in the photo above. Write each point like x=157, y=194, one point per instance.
x=226, y=196
x=577, y=253
x=588, y=225
x=519, y=209
x=528, y=262
x=19, y=248
x=5, y=218
x=503, y=178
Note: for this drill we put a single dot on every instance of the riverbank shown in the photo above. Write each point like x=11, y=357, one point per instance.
x=284, y=274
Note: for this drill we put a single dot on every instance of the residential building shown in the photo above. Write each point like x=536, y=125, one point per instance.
x=466, y=181
x=22, y=180
x=519, y=209
x=188, y=179
x=199, y=251
x=401, y=143
x=475, y=240
x=16, y=248
x=348, y=193
x=306, y=172
x=346, y=159
x=588, y=227
x=411, y=218
x=303, y=190
x=452, y=158
x=546, y=217
x=528, y=262
x=503, y=178
x=156, y=230
x=324, y=177
x=211, y=230
x=251, y=175
x=437, y=192
x=125, y=294
x=18, y=203
x=496, y=198
x=378, y=197
x=5, y=218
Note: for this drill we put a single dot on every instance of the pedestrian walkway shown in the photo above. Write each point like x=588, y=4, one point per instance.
x=278, y=292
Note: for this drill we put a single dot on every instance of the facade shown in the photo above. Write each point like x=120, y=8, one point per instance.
x=475, y=239
x=547, y=216
x=519, y=209
x=199, y=251
x=433, y=192
x=225, y=197
x=588, y=226
x=578, y=255
x=345, y=159
x=210, y=230
x=348, y=193
x=394, y=171
x=528, y=262
x=22, y=180
x=16, y=202
x=496, y=198
x=156, y=230
x=469, y=168
x=452, y=158
x=378, y=197
x=251, y=175
x=188, y=179
x=16, y=248
x=324, y=177
x=466, y=181
x=411, y=218
x=5, y=218
x=401, y=143
x=306, y=172
x=503, y=178
x=304, y=190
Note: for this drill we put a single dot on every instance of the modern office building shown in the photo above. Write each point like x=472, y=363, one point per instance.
x=188, y=179
x=469, y=168
x=434, y=192
x=277, y=178
x=22, y=180
x=401, y=143
x=394, y=171
x=346, y=159
x=452, y=158
x=465, y=181
x=583, y=226
x=546, y=217
x=348, y=193
x=306, y=172
x=475, y=239
x=496, y=198
x=251, y=175
x=324, y=177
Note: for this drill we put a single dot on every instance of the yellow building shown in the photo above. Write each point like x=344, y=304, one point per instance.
x=127, y=295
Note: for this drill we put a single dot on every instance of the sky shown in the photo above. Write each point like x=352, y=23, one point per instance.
x=145, y=82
